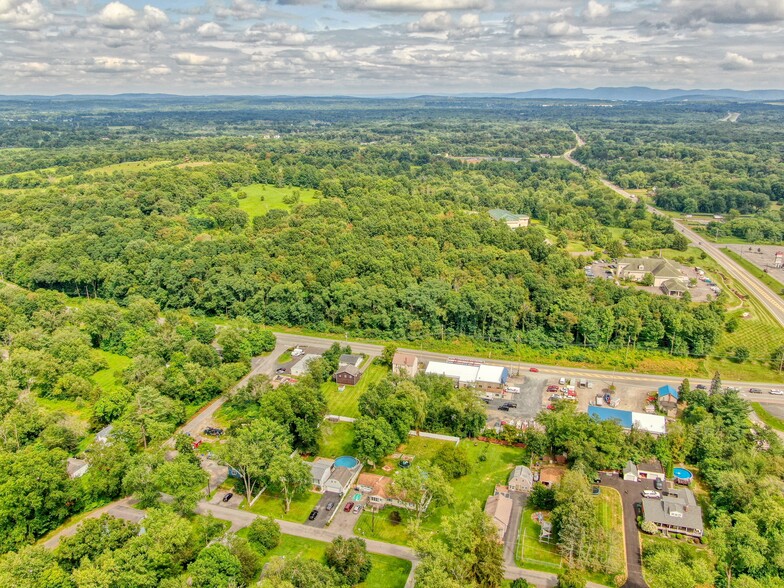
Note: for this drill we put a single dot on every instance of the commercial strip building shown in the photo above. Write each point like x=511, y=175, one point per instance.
x=652, y=423
x=490, y=378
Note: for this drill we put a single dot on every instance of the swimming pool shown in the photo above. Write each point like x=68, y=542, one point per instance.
x=682, y=475
x=346, y=461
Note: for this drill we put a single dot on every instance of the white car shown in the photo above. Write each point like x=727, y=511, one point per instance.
x=777, y=392
x=651, y=494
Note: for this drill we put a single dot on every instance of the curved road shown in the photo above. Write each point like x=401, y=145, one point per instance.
x=767, y=297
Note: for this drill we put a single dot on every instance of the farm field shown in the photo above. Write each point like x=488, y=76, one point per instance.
x=273, y=198
x=345, y=403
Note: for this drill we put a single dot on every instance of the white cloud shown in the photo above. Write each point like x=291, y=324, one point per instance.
x=594, y=10
x=210, y=29
x=432, y=22
x=154, y=18
x=730, y=11
x=197, y=60
x=413, y=5
x=158, y=70
x=242, y=9
x=117, y=15
x=113, y=65
x=734, y=61
x=562, y=29
x=28, y=16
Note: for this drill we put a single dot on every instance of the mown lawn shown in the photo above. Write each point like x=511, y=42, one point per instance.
x=491, y=466
x=107, y=378
x=772, y=421
x=766, y=279
x=273, y=196
x=336, y=439
x=271, y=505
x=387, y=572
x=345, y=403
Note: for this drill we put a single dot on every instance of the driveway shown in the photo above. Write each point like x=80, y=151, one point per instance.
x=324, y=515
x=513, y=530
x=630, y=492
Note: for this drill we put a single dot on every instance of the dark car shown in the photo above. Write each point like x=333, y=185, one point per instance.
x=755, y=390
x=313, y=514
x=701, y=387
x=658, y=484
x=330, y=506
x=404, y=463
x=213, y=431
x=486, y=400
x=228, y=496
x=595, y=490
x=511, y=404
x=280, y=370
x=638, y=508
x=597, y=479
x=504, y=407
x=348, y=507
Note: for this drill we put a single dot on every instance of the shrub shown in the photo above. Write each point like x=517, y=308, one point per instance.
x=395, y=518
x=264, y=534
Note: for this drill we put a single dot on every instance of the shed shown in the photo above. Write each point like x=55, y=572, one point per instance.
x=630, y=472
x=651, y=470
x=76, y=468
x=668, y=397
x=347, y=359
x=348, y=375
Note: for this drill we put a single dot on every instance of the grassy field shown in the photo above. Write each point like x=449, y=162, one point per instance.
x=272, y=198
x=345, y=403
x=475, y=486
x=336, y=439
x=535, y=555
x=773, y=422
x=766, y=279
x=271, y=505
x=387, y=572
x=106, y=378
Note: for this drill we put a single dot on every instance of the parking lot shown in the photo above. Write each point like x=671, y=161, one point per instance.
x=528, y=401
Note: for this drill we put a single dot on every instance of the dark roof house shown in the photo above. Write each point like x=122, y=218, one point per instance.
x=676, y=511
x=348, y=375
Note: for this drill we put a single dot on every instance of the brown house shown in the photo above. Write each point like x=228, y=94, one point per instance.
x=348, y=375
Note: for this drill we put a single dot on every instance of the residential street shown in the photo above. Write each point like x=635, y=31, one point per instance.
x=513, y=530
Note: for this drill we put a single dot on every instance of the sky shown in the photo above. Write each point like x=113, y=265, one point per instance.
x=376, y=47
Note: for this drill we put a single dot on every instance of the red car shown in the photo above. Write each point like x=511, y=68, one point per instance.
x=533, y=370
x=348, y=507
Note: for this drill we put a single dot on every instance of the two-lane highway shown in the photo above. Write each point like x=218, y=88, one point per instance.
x=767, y=297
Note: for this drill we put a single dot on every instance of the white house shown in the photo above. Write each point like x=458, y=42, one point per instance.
x=76, y=468
x=630, y=472
x=521, y=479
x=320, y=471
x=341, y=479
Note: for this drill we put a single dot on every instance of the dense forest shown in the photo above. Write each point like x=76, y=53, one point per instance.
x=394, y=242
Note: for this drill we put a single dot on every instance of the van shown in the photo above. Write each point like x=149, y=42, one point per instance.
x=562, y=381
x=651, y=494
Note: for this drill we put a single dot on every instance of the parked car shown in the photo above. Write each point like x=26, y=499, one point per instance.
x=755, y=390
x=510, y=404
x=553, y=388
x=504, y=407
x=651, y=494
x=555, y=397
x=701, y=387
x=357, y=508
x=486, y=400
x=313, y=514
x=228, y=496
x=533, y=369
x=777, y=392
x=348, y=507
x=330, y=506
x=213, y=431
x=280, y=370
x=638, y=508
x=658, y=484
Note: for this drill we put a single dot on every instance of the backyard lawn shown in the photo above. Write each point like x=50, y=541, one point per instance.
x=387, y=572
x=273, y=198
x=535, y=555
x=336, y=439
x=106, y=378
x=491, y=466
x=345, y=403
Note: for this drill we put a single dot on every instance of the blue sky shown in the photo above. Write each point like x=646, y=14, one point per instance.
x=386, y=46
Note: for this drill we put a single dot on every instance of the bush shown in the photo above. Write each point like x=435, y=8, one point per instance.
x=453, y=461
x=521, y=583
x=349, y=558
x=571, y=578
x=542, y=497
x=264, y=534
x=395, y=518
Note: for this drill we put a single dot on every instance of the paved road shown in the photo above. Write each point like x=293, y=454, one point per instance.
x=630, y=493
x=767, y=297
x=121, y=509
x=289, y=340
x=512, y=536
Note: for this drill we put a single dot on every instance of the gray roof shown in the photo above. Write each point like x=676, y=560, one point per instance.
x=73, y=465
x=523, y=472
x=661, y=268
x=676, y=508
x=342, y=475
x=346, y=359
x=630, y=468
x=651, y=466
x=318, y=467
x=349, y=369
x=105, y=432
x=674, y=285
x=504, y=215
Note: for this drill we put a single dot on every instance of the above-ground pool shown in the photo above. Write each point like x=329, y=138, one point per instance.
x=346, y=461
x=682, y=475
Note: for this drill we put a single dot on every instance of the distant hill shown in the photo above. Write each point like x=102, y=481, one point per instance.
x=644, y=94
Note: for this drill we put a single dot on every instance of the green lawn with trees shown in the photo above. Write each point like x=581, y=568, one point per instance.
x=259, y=199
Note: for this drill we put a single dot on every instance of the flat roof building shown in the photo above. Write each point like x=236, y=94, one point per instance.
x=652, y=423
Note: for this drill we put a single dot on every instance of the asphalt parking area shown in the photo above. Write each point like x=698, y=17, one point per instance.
x=324, y=515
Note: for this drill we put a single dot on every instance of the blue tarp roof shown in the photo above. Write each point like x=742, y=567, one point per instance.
x=603, y=413
x=668, y=390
